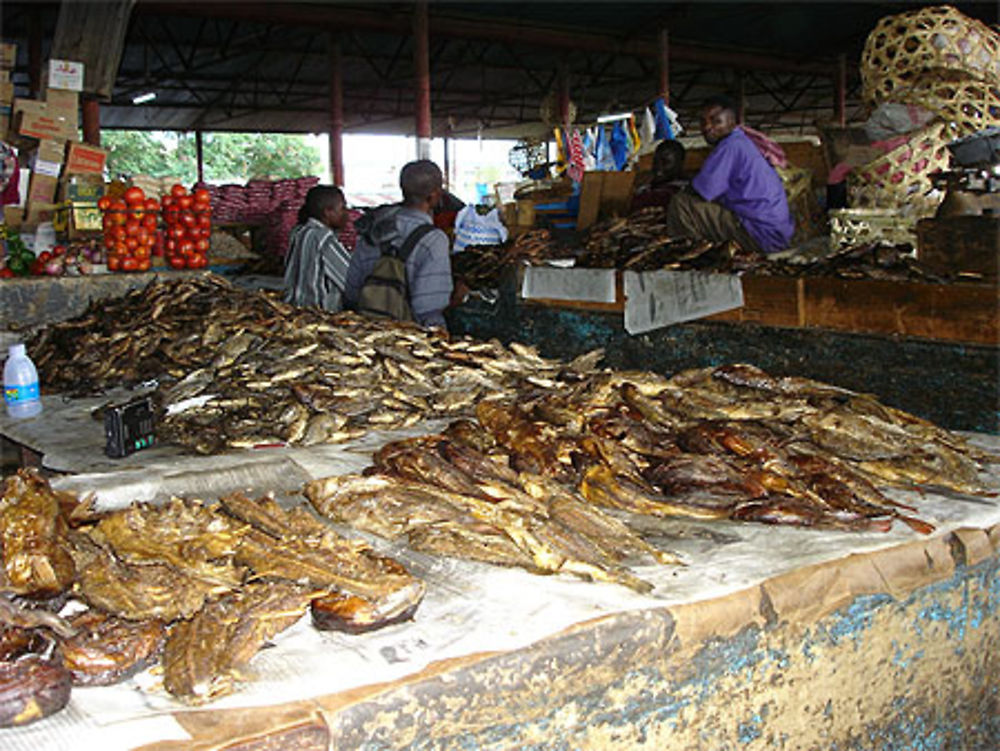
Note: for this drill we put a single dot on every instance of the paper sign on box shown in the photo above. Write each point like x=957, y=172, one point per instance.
x=65, y=74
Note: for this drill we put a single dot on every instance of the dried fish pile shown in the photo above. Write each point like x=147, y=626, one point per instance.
x=448, y=494
x=482, y=266
x=895, y=263
x=723, y=443
x=240, y=369
x=640, y=243
x=197, y=587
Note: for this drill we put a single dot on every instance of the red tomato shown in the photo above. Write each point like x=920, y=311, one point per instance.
x=186, y=247
x=129, y=264
x=167, y=200
x=197, y=262
x=188, y=220
x=6, y=273
x=143, y=236
x=176, y=262
x=149, y=222
x=131, y=243
x=185, y=202
x=143, y=263
x=104, y=203
x=171, y=245
x=135, y=197
x=141, y=252
x=202, y=196
x=177, y=190
x=171, y=214
x=152, y=204
x=58, y=250
x=114, y=262
x=201, y=245
x=176, y=232
x=204, y=220
x=109, y=241
x=44, y=257
x=132, y=227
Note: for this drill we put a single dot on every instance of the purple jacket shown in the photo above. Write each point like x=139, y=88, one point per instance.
x=738, y=177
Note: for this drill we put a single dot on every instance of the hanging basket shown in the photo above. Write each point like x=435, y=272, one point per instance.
x=903, y=48
x=971, y=106
x=900, y=179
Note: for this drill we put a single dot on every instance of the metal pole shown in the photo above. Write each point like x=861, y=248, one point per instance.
x=336, y=112
x=840, y=93
x=199, y=150
x=421, y=64
x=91, y=110
x=665, y=67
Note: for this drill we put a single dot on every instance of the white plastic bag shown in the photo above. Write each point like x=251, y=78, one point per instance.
x=473, y=228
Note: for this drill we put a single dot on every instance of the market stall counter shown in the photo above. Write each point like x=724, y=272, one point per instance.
x=767, y=637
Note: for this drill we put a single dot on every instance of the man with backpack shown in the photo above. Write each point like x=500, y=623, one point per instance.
x=400, y=267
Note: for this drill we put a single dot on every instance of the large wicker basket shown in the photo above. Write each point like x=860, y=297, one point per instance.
x=939, y=40
x=900, y=179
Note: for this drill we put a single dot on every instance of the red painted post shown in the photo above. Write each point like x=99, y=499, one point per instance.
x=91, y=109
x=421, y=64
x=199, y=151
x=840, y=103
x=664, y=66
x=336, y=113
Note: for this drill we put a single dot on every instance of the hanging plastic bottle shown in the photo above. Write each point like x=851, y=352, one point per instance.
x=20, y=384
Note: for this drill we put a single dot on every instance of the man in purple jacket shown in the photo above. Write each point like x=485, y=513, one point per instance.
x=736, y=195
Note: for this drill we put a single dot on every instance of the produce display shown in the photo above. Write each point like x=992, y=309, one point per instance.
x=18, y=259
x=129, y=224
x=188, y=222
x=199, y=588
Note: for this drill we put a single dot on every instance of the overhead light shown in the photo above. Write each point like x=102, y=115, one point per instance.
x=143, y=98
x=613, y=118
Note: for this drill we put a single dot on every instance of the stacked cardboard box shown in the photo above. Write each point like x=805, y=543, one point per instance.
x=8, y=54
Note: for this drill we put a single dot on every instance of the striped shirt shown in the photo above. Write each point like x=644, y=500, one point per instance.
x=315, y=267
x=428, y=267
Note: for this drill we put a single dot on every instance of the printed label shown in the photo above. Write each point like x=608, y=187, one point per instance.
x=26, y=393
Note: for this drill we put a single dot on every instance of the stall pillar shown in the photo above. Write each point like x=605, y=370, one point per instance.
x=664, y=50
x=840, y=103
x=199, y=150
x=421, y=64
x=336, y=112
x=91, y=110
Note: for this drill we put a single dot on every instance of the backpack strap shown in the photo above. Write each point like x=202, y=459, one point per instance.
x=412, y=239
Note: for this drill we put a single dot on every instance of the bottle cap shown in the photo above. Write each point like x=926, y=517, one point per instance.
x=17, y=350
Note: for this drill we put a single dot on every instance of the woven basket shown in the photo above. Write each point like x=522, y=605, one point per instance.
x=901, y=49
x=971, y=106
x=900, y=179
x=852, y=227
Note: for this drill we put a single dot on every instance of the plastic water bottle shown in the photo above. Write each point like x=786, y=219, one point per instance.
x=20, y=384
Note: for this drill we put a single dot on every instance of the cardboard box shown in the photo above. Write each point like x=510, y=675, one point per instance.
x=82, y=158
x=64, y=74
x=38, y=213
x=6, y=92
x=81, y=188
x=13, y=216
x=83, y=219
x=62, y=101
x=33, y=119
x=42, y=188
x=8, y=55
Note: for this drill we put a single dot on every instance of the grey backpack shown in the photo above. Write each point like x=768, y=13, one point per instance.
x=386, y=292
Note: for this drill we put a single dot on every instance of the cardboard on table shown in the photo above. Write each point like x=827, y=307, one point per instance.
x=83, y=188
x=13, y=216
x=35, y=120
x=8, y=55
x=6, y=92
x=42, y=188
x=39, y=213
x=82, y=158
x=62, y=101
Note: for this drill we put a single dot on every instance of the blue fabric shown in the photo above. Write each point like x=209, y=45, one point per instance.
x=619, y=145
x=737, y=176
x=663, y=129
x=428, y=267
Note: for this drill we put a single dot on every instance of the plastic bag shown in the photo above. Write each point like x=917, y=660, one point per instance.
x=473, y=228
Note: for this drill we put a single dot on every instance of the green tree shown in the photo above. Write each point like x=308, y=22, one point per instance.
x=228, y=157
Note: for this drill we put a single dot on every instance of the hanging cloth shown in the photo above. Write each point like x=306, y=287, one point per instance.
x=576, y=160
x=619, y=145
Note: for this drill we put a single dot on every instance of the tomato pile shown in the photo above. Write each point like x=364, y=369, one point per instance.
x=188, y=219
x=129, y=229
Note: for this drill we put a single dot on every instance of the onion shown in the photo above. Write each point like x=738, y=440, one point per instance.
x=54, y=268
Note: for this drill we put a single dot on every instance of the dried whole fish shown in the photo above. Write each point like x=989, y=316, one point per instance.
x=31, y=688
x=107, y=650
x=32, y=537
x=204, y=655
